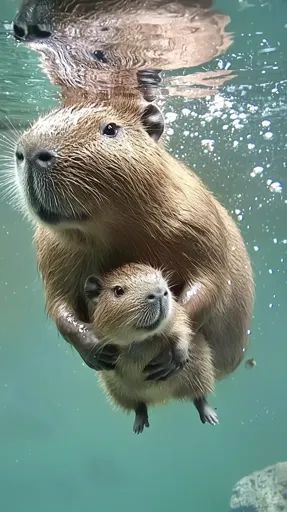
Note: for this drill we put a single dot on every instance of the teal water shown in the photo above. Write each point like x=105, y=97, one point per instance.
x=62, y=445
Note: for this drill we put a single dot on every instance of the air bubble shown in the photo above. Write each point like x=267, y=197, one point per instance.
x=256, y=170
x=268, y=135
x=171, y=116
x=208, y=143
x=252, y=108
x=275, y=187
x=237, y=124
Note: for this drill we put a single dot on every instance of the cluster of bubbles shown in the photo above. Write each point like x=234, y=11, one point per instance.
x=236, y=141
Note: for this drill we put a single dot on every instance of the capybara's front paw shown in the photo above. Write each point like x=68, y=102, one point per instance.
x=96, y=355
x=162, y=367
x=180, y=356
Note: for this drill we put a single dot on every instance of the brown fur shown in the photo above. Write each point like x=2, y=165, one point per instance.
x=145, y=206
x=126, y=386
x=115, y=317
x=113, y=320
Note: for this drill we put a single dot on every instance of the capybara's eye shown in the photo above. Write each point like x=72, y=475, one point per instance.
x=118, y=291
x=111, y=130
x=100, y=56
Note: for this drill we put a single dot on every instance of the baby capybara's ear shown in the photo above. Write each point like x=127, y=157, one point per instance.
x=153, y=121
x=92, y=289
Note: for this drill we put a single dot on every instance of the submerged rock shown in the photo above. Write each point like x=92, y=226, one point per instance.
x=262, y=491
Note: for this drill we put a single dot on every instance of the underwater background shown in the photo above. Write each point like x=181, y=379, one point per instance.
x=63, y=447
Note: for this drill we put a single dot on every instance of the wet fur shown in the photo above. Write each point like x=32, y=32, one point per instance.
x=143, y=206
x=113, y=319
x=126, y=386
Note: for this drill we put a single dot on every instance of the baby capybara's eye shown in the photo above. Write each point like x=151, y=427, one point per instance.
x=118, y=291
x=111, y=130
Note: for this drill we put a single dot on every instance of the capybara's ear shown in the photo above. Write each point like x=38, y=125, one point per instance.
x=92, y=289
x=153, y=121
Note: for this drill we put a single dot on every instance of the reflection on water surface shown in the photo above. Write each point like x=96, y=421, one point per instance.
x=99, y=48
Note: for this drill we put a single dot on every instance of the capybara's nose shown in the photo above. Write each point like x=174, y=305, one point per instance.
x=158, y=296
x=42, y=159
x=28, y=32
x=20, y=30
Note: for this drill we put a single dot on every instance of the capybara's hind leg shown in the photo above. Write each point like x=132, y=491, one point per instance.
x=206, y=412
x=141, y=418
